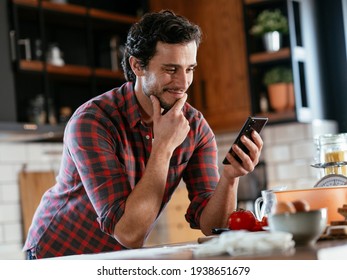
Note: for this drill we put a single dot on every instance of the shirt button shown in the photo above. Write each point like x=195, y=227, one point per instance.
x=147, y=137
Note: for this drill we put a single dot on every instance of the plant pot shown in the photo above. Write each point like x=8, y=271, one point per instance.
x=281, y=96
x=291, y=96
x=272, y=41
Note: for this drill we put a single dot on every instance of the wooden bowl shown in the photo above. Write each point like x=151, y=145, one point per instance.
x=331, y=198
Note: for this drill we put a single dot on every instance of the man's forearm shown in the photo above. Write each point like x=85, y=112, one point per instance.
x=220, y=206
x=143, y=203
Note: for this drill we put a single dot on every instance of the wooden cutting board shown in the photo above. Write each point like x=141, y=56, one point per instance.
x=204, y=239
x=32, y=185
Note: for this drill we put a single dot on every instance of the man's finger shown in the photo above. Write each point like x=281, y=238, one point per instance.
x=156, y=106
x=180, y=103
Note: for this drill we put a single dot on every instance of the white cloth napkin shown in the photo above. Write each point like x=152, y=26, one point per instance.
x=244, y=242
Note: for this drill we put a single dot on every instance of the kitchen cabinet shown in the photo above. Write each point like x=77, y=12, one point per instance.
x=172, y=226
x=65, y=53
x=220, y=88
x=32, y=185
x=228, y=84
x=304, y=50
x=260, y=61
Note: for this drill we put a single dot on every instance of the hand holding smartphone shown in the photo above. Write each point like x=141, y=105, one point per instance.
x=252, y=123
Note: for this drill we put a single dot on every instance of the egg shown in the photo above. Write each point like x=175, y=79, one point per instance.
x=284, y=207
x=301, y=205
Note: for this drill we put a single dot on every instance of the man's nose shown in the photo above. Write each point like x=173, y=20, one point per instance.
x=184, y=79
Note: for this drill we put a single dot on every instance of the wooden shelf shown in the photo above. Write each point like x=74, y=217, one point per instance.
x=275, y=117
x=65, y=8
x=263, y=57
x=78, y=10
x=66, y=70
x=106, y=73
x=104, y=15
x=83, y=33
x=70, y=70
x=31, y=3
x=249, y=2
x=31, y=65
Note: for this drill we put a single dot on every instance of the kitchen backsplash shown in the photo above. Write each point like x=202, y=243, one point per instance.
x=13, y=158
x=288, y=153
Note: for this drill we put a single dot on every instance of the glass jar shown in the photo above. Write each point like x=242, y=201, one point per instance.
x=332, y=153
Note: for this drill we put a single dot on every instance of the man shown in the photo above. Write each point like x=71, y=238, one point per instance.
x=126, y=151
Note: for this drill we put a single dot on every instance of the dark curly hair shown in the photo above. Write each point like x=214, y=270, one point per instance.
x=164, y=26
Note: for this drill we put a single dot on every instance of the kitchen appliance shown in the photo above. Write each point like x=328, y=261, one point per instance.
x=331, y=158
x=332, y=180
x=331, y=189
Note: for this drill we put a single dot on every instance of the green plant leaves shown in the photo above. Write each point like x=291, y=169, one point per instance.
x=269, y=21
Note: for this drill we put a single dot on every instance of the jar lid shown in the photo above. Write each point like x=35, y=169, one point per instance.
x=327, y=139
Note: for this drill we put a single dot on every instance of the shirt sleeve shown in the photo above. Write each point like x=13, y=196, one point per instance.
x=93, y=151
x=201, y=175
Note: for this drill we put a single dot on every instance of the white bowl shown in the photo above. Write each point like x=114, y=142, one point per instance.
x=306, y=227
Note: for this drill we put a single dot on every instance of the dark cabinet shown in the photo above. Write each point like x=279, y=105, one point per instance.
x=228, y=84
x=65, y=53
x=315, y=49
x=260, y=61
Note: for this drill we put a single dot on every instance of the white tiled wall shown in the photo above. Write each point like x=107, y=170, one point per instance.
x=13, y=157
x=288, y=152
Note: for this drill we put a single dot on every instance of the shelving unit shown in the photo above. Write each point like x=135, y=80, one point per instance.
x=259, y=61
x=264, y=57
x=82, y=30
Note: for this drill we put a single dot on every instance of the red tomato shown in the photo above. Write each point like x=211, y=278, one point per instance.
x=241, y=219
x=258, y=226
x=264, y=222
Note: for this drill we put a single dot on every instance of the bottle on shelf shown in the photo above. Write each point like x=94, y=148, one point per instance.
x=264, y=103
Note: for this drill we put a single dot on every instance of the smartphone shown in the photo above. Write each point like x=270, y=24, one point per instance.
x=252, y=123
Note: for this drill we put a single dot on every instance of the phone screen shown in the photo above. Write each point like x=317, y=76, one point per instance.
x=252, y=123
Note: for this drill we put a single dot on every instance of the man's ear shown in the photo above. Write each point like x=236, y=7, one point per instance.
x=135, y=66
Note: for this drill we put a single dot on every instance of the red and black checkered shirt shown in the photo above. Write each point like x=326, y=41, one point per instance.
x=106, y=149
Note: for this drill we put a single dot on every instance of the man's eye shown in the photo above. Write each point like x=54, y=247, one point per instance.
x=170, y=70
x=191, y=69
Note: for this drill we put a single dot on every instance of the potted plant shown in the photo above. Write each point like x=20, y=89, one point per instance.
x=279, y=82
x=271, y=25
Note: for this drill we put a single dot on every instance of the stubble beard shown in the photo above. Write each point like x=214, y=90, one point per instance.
x=166, y=106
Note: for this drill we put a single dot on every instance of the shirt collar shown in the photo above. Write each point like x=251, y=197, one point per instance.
x=132, y=108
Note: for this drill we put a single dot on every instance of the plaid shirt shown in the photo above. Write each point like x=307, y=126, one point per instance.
x=106, y=148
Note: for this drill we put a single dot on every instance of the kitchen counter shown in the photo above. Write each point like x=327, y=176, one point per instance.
x=322, y=250
x=28, y=132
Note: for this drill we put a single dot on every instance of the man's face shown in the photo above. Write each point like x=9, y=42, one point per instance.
x=170, y=72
